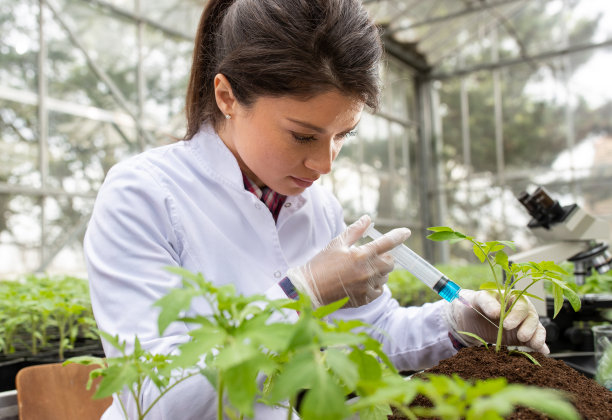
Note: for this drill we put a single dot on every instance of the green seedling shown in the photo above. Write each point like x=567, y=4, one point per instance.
x=244, y=337
x=492, y=254
x=130, y=371
x=331, y=360
x=454, y=398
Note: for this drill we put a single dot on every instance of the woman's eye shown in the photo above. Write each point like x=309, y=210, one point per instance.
x=303, y=138
x=347, y=135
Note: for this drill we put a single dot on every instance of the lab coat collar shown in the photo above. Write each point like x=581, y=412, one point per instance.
x=216, y=158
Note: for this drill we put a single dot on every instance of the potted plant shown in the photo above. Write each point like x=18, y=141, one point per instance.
x=481, y=363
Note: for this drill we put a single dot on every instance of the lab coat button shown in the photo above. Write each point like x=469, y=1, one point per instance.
x=277, y=274
x=287, y=204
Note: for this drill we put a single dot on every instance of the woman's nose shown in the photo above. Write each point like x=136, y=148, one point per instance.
x=320, y=160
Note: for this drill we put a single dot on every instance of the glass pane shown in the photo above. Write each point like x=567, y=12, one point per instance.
x=398, y=95
x=401, y=190
x=535, y=130
x=81, y=151
x=479, y=149
x=115, y=53
x=19, y=234
x=65, y=223
x=19, y=44
x=18, y=145
x=181, y=16
x=452, y=152
x=166, y=64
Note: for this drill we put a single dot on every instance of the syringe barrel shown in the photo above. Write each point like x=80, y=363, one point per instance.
x=420, y=268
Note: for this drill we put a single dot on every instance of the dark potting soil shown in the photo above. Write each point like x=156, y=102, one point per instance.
x=593, y=401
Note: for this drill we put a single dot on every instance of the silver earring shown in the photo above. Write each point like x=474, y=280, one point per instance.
x=228, y=117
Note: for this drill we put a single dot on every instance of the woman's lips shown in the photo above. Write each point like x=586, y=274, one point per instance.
x=303, y=182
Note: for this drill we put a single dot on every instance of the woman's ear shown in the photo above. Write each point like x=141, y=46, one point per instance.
x=224, y=95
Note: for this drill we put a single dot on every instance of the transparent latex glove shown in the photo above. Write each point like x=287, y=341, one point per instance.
x=342, y=269
x=522, y=325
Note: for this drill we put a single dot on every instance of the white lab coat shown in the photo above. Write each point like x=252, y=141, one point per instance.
x=185, y=205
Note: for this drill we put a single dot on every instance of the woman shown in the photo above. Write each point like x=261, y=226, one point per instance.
x=276, y=88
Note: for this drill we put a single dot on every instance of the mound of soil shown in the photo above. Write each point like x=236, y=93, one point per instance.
x=593, y=401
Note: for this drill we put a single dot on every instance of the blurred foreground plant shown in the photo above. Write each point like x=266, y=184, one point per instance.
x=250, y=353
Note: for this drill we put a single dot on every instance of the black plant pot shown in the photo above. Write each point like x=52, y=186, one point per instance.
x=10, y=365
x=8, y=370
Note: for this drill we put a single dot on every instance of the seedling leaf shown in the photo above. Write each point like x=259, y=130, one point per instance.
x=477, y=337
x=527, y=355
x=489, y=285
x=479, y=253
x=444, y=236
x=115, y=379
x=440, y=229
x=326, y=310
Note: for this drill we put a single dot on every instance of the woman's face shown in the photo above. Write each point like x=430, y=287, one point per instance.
x=286, y=143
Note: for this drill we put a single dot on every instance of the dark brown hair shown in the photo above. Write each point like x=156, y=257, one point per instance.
x=282, y=48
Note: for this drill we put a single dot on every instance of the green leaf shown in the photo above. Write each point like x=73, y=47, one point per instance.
x=560, y=287
x=527, y=355
x=375, y=412
x=501, y=259
x=479, y=253
x=339, y=363
x=552, y=266
x=392, y=389
x=443, y=236
x=440, y=229
x=489, y=285
x=115, y=378
x=547, y=401
x=477, y=337
x=495, y=246
x=326, y=310
x=368, y=365
x=298, y=374
x=557, y=292
x=274, y=336
x=234, y=354
x=112, y=340
x=203, y=341
x=325, y=400
x=241, y=383
x=85, y=360
x=176, y=301
x=509, y=244
x=573, y=298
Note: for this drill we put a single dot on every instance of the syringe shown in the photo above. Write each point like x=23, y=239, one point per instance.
x=424, y=271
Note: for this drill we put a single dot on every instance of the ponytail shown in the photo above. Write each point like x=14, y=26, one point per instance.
x=200, y=104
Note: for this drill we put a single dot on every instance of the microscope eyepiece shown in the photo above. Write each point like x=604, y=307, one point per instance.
x=544, y=210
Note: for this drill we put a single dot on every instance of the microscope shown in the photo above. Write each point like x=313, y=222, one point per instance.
x=567, y=233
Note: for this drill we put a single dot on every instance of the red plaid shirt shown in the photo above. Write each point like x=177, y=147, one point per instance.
x=273, y=200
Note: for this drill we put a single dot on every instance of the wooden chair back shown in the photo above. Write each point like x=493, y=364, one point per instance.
x=56, y=392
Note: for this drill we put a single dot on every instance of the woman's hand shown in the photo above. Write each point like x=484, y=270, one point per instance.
x=522, y=325
x=342, y=269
